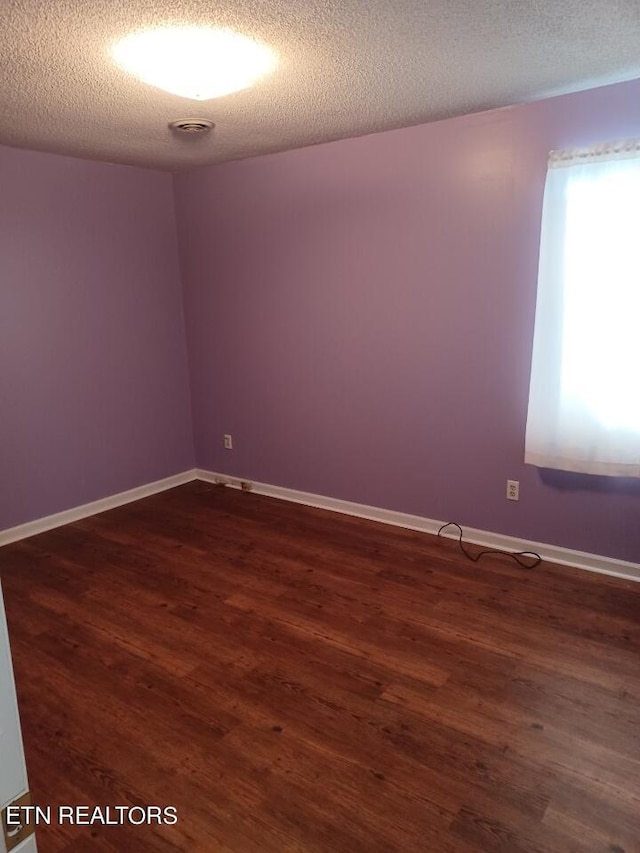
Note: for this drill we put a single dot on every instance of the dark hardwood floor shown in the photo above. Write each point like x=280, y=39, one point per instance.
x=296, y=680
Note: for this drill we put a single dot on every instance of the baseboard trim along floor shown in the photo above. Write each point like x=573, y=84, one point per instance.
x=40, y=525
x=553, y=553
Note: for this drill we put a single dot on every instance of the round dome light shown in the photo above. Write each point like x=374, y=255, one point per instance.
x=194, y=62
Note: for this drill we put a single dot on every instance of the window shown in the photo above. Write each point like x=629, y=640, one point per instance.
x=584, y=396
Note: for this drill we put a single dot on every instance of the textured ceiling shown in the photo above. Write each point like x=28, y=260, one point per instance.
x=347, y=67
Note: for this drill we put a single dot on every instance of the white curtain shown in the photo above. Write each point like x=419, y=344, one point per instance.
x=584, y=396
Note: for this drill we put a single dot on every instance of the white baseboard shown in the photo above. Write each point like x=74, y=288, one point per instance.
x=552, y=553
x=40, y=525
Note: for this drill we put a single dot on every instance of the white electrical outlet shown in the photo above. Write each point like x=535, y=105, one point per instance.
x=513, y=490
x=228, y=442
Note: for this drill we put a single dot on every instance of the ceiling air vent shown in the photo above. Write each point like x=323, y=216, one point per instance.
x=191, y=125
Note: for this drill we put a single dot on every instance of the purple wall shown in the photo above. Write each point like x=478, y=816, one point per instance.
x=94, y=394
x=360, y=316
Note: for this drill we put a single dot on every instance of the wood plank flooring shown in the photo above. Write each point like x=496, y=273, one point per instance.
x=295, y=680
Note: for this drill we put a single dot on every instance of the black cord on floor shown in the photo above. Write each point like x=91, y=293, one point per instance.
x=517, y=555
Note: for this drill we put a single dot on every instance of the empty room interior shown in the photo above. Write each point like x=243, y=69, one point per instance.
x=320, y=427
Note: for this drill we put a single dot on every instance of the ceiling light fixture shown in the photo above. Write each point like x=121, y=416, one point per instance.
x=194, y=62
